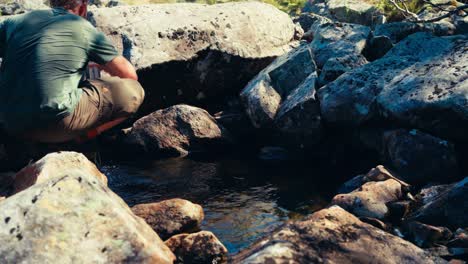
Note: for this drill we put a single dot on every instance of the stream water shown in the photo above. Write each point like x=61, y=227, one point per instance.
x=243, y=198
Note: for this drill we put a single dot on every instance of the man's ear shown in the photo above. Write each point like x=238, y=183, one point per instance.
x=83, y=11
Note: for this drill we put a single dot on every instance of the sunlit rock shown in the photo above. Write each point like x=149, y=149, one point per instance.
x=370, y=200
x=332, y=236
x=176, y=131
x=201, y=247
x=332, y=40
x=73, y=217
x=54, y=164
x=196, y=53
x=171, y=217
x=420, y=83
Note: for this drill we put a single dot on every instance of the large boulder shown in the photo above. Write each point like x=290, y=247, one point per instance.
x=445, y=209
x=73, y=217
x=52, y=164
x=332, y=236
x=175, y=131
x=201, y=247
x=171, y=217
x=420, y=83
x=194, y=53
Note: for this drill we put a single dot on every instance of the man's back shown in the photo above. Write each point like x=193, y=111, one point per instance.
x=44, y=56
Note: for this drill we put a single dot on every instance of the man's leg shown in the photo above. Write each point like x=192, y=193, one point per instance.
x=120, y=99
x=104, y=104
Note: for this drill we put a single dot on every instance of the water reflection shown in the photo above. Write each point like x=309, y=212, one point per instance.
x=242, y=199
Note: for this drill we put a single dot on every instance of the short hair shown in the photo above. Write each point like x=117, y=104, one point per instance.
x=67, y=4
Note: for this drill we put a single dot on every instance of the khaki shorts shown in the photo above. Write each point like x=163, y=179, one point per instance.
x=102, y=101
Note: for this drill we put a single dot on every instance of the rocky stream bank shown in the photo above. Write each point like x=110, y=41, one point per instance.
x=245, y=77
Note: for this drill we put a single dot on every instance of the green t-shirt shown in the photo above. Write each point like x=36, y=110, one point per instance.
x=45, y=54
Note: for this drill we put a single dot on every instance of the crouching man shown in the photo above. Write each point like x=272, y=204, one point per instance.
x=45, y=54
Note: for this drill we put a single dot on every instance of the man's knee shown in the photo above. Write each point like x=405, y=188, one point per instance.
x=127, y=95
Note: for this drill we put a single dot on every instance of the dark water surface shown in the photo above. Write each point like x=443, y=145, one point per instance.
x=243, y=199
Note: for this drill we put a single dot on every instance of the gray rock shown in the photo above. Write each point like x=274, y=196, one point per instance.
x=385, y=36
x=176, y=131
x=370, y=199
x=310, y=21
x=74, y=218
x=194, y=53
x=201, y=247
x=332, y=236
x=338, y=40
x=263, y=95
x=171, y=217
x=335, y=67
x=428, y=194
x=426, y=235
x=8, y=8
x=446, y=209
x=420, y=158
x=355, y=11
x=298, y=119
x=431, y=94
x=318, y=7
x=401, y=88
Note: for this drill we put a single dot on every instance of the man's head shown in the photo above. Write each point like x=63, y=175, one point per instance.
x=77, y=7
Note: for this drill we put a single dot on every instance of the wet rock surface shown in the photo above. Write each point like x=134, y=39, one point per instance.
x=175, y=131
x=201, y=247
x=74, y=217
x=171, y=217
x=333, y=235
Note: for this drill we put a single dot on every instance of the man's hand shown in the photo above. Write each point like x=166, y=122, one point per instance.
x=120, y=67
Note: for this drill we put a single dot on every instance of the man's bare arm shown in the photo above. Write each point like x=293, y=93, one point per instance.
x=120, y=67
